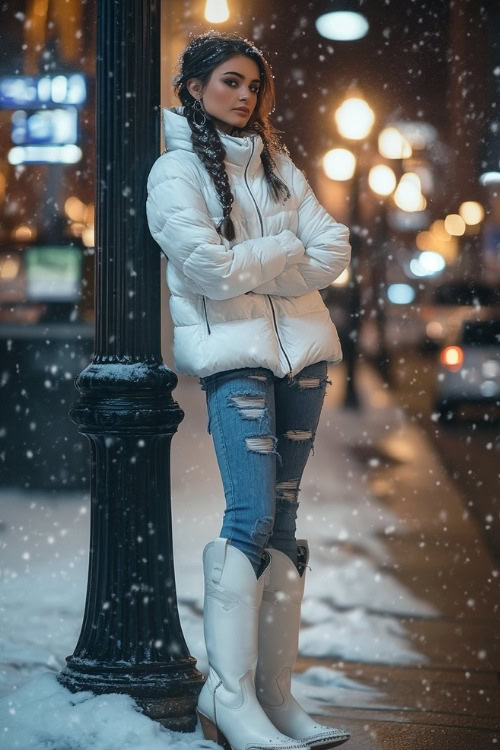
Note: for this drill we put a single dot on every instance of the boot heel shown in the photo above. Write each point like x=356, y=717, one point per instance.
x=212, y=732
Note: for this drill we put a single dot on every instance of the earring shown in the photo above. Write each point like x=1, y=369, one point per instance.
x=199, y=111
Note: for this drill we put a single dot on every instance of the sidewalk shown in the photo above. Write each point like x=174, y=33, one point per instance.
x=449, y=697
x=400, y=619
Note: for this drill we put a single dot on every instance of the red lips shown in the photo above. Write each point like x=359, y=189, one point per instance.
x=243, y=110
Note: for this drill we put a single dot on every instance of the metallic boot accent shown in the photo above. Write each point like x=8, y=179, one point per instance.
x=279, y=624
x=228, y=709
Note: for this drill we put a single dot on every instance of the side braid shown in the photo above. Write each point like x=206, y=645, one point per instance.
x=211, y=152
x=276, y=185
x=197, y=62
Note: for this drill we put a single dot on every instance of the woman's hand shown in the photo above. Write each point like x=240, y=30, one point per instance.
x=293, y=247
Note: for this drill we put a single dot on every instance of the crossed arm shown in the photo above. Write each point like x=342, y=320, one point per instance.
x=284, y=264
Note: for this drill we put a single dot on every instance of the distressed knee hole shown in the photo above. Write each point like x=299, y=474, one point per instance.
x=251, y=406
x=299, y=434
x=248, y=401
x=288, y=490
x=262, y=378
x=309, y=382
x=262, y=530
x=260, y=444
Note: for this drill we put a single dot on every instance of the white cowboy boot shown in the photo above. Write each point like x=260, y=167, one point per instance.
x=228, y=709
x=279, y=624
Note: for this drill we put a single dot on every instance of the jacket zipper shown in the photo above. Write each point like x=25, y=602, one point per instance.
x=278, y=336
x=268, y=295
x=248, y=186
x=206, y=316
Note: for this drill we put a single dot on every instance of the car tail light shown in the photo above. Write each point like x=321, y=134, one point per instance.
x=453, y=358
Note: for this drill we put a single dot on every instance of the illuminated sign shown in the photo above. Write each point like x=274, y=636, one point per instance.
x=35, y=92
x=45, y=117
x=46, y=126
x=53, y=273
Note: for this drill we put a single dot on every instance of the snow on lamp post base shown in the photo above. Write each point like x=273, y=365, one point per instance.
x=131, y=640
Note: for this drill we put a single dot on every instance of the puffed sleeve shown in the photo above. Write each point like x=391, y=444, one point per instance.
x=326, y=245
x=179, y=221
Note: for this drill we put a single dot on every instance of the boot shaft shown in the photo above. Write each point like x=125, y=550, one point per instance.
x=233, y=597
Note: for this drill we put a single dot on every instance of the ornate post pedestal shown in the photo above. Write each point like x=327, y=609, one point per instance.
x=131, y=639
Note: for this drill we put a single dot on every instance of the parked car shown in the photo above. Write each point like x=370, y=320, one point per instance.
x=469, y=368
x=450, y=305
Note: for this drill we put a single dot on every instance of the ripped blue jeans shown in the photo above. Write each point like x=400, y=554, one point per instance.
x=263, y=428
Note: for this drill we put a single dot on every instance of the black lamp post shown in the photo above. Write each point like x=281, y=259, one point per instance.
x=378, y=279
x=350, y=344
x=380, y=293
x=131, y=640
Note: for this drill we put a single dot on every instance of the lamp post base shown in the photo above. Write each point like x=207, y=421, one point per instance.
x=164, y=693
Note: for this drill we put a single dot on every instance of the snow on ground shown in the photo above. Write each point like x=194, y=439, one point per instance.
x=350, y=610
x=44, y=715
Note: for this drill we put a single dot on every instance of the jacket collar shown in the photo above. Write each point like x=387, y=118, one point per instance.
x=177, y=135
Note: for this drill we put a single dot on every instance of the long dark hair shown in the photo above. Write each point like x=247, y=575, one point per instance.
x=201, y=56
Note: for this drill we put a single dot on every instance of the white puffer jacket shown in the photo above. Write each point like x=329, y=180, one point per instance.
x=252, y=302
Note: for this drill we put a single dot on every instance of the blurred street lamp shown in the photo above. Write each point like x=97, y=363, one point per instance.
x=408, y=194
x=471, y=212
x=344, y=24
x=343, y=279
x=454, y=225
x=382, y=179
x=428, y=263
x=216, y=11
x=354, y=119
x=490, y=178
x=393, y=145
x=437, y=239
x=339, y=164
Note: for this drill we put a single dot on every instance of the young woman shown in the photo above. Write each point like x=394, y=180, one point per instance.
x=248, y=248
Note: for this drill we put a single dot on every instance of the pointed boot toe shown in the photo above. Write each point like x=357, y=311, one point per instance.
x=279, y=624
x=228, y=709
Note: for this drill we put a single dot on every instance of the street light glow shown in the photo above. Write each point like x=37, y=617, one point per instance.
x=339, y=164
x=428, y=263
x=354, y=118
x=432, y=261
x=343, y=279
x=216, y=11
x=400, y=294
x=393, y=145
x=490, y=178
x=419, y=134
x=342, y=26
x=23, y=233
x=74, y=208
x=408, y=195
x=471, y=212
x=88, y=236
x=438, y=230
x=9, y=268
x=454, y=224
x=382, y=179
x=438, y=239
